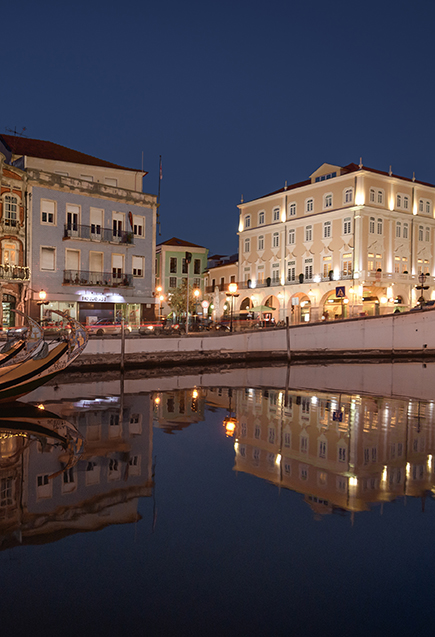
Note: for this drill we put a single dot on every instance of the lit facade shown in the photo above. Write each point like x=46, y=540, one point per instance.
x=347, y=242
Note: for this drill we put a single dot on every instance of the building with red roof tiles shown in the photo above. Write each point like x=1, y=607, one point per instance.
x=89, y=232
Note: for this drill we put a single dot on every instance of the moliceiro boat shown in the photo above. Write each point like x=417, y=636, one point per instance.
x=20, y=378
x=23, y=342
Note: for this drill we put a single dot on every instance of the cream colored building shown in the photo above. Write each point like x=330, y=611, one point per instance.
x=349, y=241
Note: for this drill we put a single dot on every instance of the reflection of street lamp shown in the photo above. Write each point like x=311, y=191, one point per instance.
x=230, y=421
x=232, y=291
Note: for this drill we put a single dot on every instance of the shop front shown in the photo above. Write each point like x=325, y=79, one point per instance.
x=8, y=304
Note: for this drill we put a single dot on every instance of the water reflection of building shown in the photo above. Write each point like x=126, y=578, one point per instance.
x=103, y=488
x=341, y=451
x=176, y=410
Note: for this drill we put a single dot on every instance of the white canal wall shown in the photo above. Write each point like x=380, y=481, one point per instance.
x=411, y=332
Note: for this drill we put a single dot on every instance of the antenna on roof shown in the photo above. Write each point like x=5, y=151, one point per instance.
x=285, y=187
x=241, y=199
x=390, y=172
x=413, y=176
x=15, y=132
x=360, y=162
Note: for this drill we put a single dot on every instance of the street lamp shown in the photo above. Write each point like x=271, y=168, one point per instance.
x=232, y=291
x=159, y=291
x=422, y=280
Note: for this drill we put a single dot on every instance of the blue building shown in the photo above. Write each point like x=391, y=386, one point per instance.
x=90, y=233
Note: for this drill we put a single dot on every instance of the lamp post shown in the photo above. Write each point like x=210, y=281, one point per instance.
x=232, y=291
x=422, y=280
x=159, y=290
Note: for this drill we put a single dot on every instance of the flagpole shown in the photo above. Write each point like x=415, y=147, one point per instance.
x=158, y=194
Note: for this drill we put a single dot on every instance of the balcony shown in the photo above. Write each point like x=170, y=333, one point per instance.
x=97, y=279
x=98, y=234
x=11, y=227
x=14, y=273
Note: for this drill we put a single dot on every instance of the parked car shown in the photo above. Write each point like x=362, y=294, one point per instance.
x=150, y=328
x=107, y=326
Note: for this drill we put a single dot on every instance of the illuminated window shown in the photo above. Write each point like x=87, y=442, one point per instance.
x=326, y=266
x=347, y=264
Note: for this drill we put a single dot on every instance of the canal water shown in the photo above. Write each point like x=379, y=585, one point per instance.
x=240, y=503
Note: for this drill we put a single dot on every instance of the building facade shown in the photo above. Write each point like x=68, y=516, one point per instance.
x=172, y=268
x=14, y=273
x=348, y=241
x=90, y=233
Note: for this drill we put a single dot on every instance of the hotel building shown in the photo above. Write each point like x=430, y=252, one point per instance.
x=348, y=241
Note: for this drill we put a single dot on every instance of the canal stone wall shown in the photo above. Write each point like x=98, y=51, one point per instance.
x=407, y=335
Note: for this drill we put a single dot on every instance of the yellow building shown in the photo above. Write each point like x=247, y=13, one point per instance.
x=348, y=241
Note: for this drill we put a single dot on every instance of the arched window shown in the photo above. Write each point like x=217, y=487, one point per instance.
x=247, y=221
x=309, y=205
x=275, y=214
x=261, y=218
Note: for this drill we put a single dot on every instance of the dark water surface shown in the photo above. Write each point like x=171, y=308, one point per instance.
x=315, y=517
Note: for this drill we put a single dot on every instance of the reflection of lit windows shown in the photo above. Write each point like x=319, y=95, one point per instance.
x=243, y=429
x=170, y=405
x=271, y=435
x=303, y=473
x=287, y=467
x=341, y=484
x=68, y=480
x=44, y=486
x=257, y=432
x=134, y=465
x=242, y=451
x=322, y=449
x=304, y=444
x=341, y=454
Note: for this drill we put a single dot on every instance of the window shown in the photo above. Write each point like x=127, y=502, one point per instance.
x=324, y=177
x=372, y=225
x=424, y=206
x=370, y=262
x=309, y=205
x=327, y=230
x=378, y=262
x=347, y=226
x=308, y=233
x=260, y=274
x=261, y=218
x=172, y=281
x=399, y=201
x=291, y=271
x=138, y=226
x=304, y=444
x=406, y=202
x=10, y=211
x=96, y=260
x=7, y=491
x=10, y=253
x=72, y=218
x=327, y=203
x=327, y=261
x=47, y=212
x=347, y=264
x=405, y=230
x=261, y=242
x=48, y=258
x=275, y=273
x=87, y=177
x=291, y=237
x=427, y=207
x=275, y=214
x=275, y=240
x=372, y=195
x=72, y=261
x=117, y=266
x=97, y=216
x=247, y=221
x=322, y=449
x=197, y=266
x=380, y=196
x=427, y=234
x=292, y=210
x=184, y=266
x=398, y=229
x=197, y=283
x=420, y=233
x=341, y=454
x=348, y=195
x=397, y=265
x=379, y=226
x=173, y=265
x=247, y=245
x=138, y=266
x=110, y=181
x=308, y=269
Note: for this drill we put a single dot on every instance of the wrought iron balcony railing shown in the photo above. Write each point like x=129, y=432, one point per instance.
x=96, y=233
x=101, y=279
x=14, y=273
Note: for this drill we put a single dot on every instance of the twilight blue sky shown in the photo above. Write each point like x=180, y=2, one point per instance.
x=236, y=96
